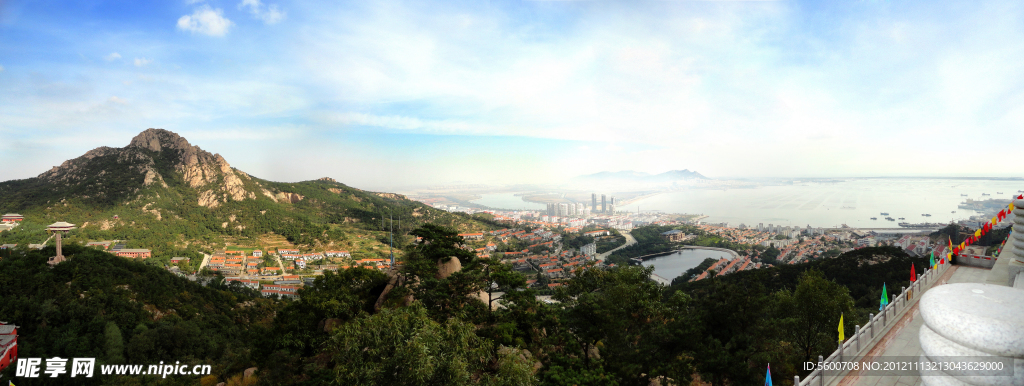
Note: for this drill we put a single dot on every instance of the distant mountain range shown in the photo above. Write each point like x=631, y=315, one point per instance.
x=629, y=179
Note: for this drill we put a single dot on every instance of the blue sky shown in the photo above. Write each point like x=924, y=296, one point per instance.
x=386, y=94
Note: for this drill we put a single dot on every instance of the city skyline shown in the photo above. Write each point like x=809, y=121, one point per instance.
x=394, y=94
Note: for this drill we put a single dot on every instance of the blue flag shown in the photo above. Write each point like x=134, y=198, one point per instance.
x=768, y=378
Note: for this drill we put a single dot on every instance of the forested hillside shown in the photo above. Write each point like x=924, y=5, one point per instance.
x=96, y=305
x=162, y=193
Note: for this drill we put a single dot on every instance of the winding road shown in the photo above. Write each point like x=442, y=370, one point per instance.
x=629, y=241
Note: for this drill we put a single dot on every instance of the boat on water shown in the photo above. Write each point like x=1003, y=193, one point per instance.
x=901, y=218
x=999, y=192
x=963, y=195
x=890, y=219
x=953, y=211
x=884, y=214
x=874, y=218
x=985, y=194
x=925, y=215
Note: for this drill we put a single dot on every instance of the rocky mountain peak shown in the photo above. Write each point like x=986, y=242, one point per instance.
x=159, y=139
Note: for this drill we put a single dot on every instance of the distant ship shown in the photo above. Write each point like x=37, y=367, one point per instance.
x=874, y=218
x=901, y=218
x=999, y=192
x=884, y=214
x=926, y=215
x=953, y=211
x=985, y=194
x=890, y=219
x=963, y=195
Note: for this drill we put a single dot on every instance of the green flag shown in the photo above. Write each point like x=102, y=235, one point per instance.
x=932, y=260
x=885, y=299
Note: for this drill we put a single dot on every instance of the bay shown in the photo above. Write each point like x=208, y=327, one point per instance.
x=852, y=202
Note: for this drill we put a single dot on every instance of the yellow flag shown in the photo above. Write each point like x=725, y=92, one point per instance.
x=1011, y=207
x=977, y=233
x=995, y=220
x=842, y=335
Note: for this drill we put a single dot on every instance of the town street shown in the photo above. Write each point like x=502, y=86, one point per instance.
x=629, y=241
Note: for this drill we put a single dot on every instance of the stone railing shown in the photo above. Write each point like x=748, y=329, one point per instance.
x=864, y=339
x=983, y=322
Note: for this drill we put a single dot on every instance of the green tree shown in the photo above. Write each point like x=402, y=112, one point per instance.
x=815, y=307
x=114, y=343
x=619, y=315
x=403, y=346
x=443, y=297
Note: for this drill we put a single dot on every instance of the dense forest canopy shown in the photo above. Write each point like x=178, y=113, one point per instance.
x=606, y=326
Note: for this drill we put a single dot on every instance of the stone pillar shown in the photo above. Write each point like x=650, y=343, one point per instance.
x=59, y=250
x=821, y=375
x=871, y=326
x=1015, y=245
x=973, y=320
x=856, y=334
x=796, y=380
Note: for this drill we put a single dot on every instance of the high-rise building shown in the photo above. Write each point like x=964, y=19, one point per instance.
x=593, y=201
x=563, y=209
x=604, y=204
x=579, y=209
x=611, y=208
x=613, y=200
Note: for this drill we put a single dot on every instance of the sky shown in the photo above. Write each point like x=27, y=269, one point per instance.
x=384, y=94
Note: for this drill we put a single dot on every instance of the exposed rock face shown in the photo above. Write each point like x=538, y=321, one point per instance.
x=391, y=196
x=201, y=170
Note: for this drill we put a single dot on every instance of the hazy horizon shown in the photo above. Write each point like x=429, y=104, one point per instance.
x=386, y=95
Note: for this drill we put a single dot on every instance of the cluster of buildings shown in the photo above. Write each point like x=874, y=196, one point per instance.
x=235, y=263
x=726, y=266
x=285, y=287
x=10, y=221
x=121, y=250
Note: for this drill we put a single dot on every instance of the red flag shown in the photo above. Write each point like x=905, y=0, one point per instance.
x=1002, y=215
x=1020, y=197
x=913, y=277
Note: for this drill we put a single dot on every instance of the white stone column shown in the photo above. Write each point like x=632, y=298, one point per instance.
x=1015, y=245
x=973, y=320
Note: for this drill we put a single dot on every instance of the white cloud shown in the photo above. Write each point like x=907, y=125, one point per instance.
x=120, y=101
x=1, y=68
x=206, y=21
x=113, y=56
x=140, y=62
x=270, y=14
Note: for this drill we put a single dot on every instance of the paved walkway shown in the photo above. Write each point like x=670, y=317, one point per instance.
x=902, y=340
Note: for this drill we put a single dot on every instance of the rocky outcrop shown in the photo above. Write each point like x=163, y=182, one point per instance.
x=288, y=197
x=391, y=196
